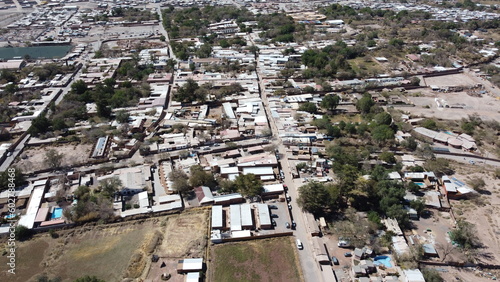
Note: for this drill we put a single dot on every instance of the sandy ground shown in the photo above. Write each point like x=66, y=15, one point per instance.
x=103, y=251
x=73, y=154
x=450, y=80
x=487, y=107
x=184, y=237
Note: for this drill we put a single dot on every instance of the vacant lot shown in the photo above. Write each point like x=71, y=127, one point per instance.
x=34, y=157
x=105, y=251
x=425, y=105
x=450, y=80
x=258, y=260
x=113, y=252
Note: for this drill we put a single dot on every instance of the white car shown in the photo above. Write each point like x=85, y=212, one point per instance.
x=299, y=245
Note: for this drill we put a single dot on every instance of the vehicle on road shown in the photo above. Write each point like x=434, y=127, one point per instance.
x=287, y=225
x=273, y=215
x=335, y=261
x=289, y=206
x=343, y=244
x=294, y=225
x=299, y=245
x=348, y=254
x=273, y=207
x=472, y=162
x=274, y=222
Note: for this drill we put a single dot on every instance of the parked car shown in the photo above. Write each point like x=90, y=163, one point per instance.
x=299, y=245
x=274, y=222
x=287, y=225
x=289, y=206
x=335, y=261
x=273, y=215
x=348, y=254
x=285, y=187
x=273, y=207
x=294, y=224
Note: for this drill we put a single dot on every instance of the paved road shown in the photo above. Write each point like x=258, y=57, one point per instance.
x=466, y=160
x=19, y=148
x=310, y=268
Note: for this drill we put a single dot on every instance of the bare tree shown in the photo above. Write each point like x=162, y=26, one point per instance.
x=446, y=249
x=53, y=158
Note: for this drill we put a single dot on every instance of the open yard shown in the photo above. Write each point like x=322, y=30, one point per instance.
x=103, y=251
x=33, y=158
x=113, y=252
x=257, y=260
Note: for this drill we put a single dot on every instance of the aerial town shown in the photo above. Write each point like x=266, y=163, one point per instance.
x=249, y=140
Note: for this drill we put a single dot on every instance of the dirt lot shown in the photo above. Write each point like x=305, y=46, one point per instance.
x=258, y=260
x=486, y=106
x=184, y=237
x=104, y=251
x=73, y=154
x=450, y=80
x=483, y=211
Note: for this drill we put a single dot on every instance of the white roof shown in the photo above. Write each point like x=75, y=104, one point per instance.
x=227, y=197
x=28, y=219
x=264, y=170
x=229, y=170
x=246, y=215
x=414, y=275
x=264, y=216
x=192, y=277
x=273, y=188
x=235, y=217
x=217, y=217
x=192, y=264
x=143, y=199
x=169, y=198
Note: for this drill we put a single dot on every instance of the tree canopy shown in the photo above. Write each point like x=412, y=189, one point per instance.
x=248, y=184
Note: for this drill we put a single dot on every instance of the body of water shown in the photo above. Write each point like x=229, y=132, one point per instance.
x=57, y=213
x=385, y=260
x=35, y=52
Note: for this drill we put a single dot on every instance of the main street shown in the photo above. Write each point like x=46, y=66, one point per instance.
x=310, y=267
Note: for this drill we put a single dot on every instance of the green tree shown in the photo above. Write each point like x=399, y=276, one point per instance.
x=45, y=278
x=382, y=133
x=330, y=102
x=39, y=125
x=431, y=275
x=418, y=205
x=383, y=118
x=410, y=144
x=468, y=128
x=199, y=177
x=163, y=38
x=180, y=181
x=248, y=185
x=387, y=157
x=122, y=116
x=465, y=235
x=314, y=197
x=439, y=166
x=429, y=124
x=187, y=92
x=79, y=87
x=22, y=233
x=110, y=186
x=53, y=158
x=88, y=278
x=308, y=107
x=18, y=177
x=365, y=104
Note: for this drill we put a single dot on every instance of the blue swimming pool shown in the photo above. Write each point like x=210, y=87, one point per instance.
x=57, y=213
x=385, y=260
x=420, y=184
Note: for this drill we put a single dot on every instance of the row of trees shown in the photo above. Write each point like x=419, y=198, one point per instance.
x=248, y=185
x=191, y=92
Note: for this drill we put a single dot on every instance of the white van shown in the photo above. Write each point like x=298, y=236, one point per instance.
x=299, y=244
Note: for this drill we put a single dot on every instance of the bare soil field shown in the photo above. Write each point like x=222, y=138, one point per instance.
x=425, y=105
x=108, y=252
x=262, y=260
x=73, y=154
x=450, y=80
x=113, y=252
x=185, y=235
